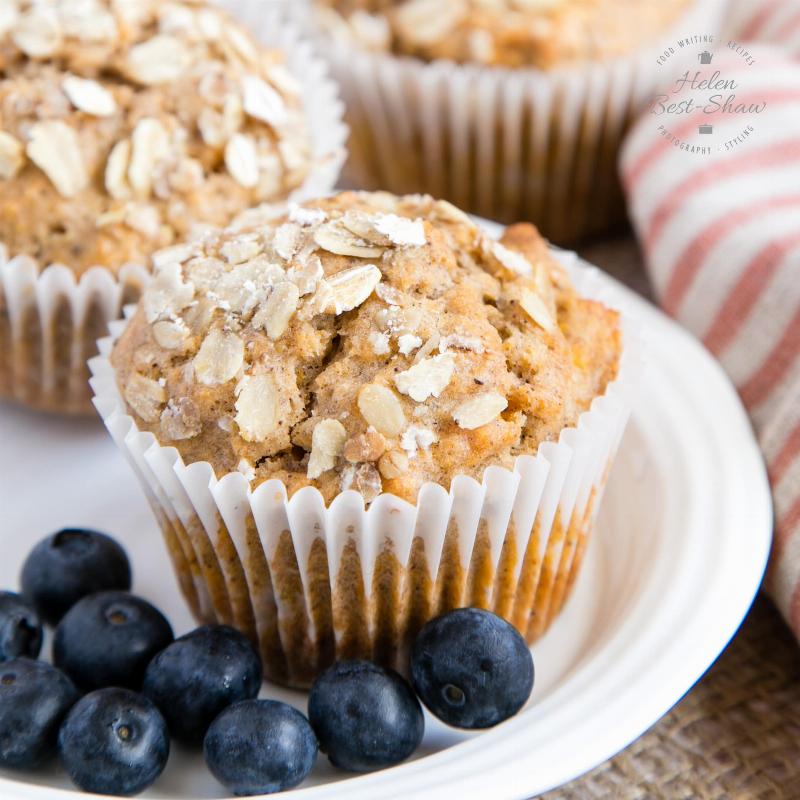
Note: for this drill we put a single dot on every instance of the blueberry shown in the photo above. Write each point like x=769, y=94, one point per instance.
x=199, y=675
x=113, y=741
x=108, y=639
x=67, y=566
x=365, y=717
x=34, y=698
x=471, y=668
x=260, y=747
x=20, y=629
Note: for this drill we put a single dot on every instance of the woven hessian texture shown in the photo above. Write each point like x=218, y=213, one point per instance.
x=734, y=736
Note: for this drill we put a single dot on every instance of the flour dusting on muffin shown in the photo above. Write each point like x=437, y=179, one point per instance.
x=363, y=341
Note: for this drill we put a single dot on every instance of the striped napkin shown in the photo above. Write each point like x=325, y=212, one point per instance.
x=721, y=236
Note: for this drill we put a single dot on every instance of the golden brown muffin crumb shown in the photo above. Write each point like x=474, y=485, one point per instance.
x=363, y=341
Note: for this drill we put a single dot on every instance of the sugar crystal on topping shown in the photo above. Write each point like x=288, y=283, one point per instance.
x=414, y=438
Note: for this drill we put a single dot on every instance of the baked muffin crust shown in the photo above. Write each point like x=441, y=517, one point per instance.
x=125, y=124
x=363, y=341
x=511, y=33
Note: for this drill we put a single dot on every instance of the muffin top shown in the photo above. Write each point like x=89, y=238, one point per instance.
x=511, y=33
x=125, y=124
x=363, y=341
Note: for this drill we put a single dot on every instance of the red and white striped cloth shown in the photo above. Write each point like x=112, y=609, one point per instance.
x=721, y=237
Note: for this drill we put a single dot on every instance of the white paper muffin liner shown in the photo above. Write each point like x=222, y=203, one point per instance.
x=50, y=320
x=312, y=583
x=506, y=144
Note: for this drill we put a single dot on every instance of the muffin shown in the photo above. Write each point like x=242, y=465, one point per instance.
x=367, y=351
x=510, y=33
x=512, y=109
x=124, y=128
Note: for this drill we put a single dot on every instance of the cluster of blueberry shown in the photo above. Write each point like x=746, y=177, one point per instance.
x=121, y=685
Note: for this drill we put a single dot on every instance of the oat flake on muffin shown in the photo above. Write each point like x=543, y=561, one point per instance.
x=363, y=341
x=125, y=124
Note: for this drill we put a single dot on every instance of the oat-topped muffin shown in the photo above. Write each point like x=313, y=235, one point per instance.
x=126, y=123
x=374, y=343
x=365, y=341
x=513, y=33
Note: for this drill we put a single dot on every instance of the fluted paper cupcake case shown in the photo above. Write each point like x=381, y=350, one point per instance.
x=50, y=320
x=310, y=583
x=507, y=144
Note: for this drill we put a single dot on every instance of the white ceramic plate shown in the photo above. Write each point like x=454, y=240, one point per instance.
x=683, y=538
